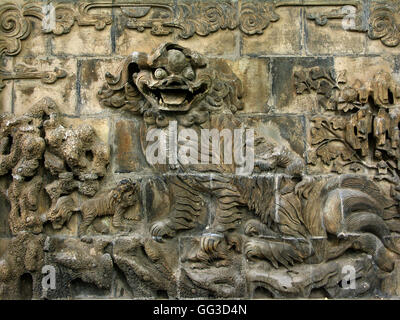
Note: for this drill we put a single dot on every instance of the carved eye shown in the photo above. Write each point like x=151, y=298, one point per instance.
x=188, y=73
x=160, y=73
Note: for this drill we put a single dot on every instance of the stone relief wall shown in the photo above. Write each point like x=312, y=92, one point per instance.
x=313, y=86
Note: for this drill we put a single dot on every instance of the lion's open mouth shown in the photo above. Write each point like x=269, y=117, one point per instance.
x=176, y=97
x=173, y=96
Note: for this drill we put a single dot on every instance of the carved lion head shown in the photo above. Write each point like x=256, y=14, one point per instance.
x=172, y=82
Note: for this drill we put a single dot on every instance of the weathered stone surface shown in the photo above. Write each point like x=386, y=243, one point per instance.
x=63, y=91
x=256, y=95
x=286, y=131
x=223, y=43
x=333, y=38
x=83, y=41
x=283, y=84
x=6, y=95
x=281, y=37
x=128, y=156
x=213, y=280
x=92, y=75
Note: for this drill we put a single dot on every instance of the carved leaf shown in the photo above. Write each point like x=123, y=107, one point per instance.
x=338, y=123
x=318, y=135
x=326, y=154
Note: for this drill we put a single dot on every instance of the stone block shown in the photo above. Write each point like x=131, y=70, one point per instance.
x=62, y=91
x=92, y=78
x=333, y=38
x=255, y=93
x=280, y=37
x=286, y=99
x=83, y=41
x=128, y=154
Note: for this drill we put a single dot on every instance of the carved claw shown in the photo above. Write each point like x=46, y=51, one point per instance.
x=265, y=165
x=210, y=241
x=252, y=228
x=161, y=229
x=275, y=252
x=301, y=188
x=86, y=239
x=118, y=223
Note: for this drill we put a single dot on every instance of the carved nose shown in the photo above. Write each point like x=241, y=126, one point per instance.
x=174, y=81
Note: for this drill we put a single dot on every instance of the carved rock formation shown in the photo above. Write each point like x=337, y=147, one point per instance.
x=37, y=141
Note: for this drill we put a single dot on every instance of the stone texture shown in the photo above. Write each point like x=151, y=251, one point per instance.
x=92, y=76
x=85, y=41
x=77, y=192
x=256, y=94
x=100, y=126
x=63, y=91
x=144, y=41
x=37, y=44
x=128, y=157
x=223, y=43
x=333, y=39
x=286, y=99
x=283, y=130
x=281, y=37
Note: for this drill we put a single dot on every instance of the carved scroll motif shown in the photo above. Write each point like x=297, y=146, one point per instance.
x=15, y=26
x=384, y=24
x=28, y=72
x=187, y=19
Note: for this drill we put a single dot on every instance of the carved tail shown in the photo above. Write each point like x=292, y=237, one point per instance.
x=354, y=210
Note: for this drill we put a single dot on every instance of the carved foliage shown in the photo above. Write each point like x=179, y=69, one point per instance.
x=367, y=115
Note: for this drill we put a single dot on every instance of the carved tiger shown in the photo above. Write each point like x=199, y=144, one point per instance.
x=114, y=203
